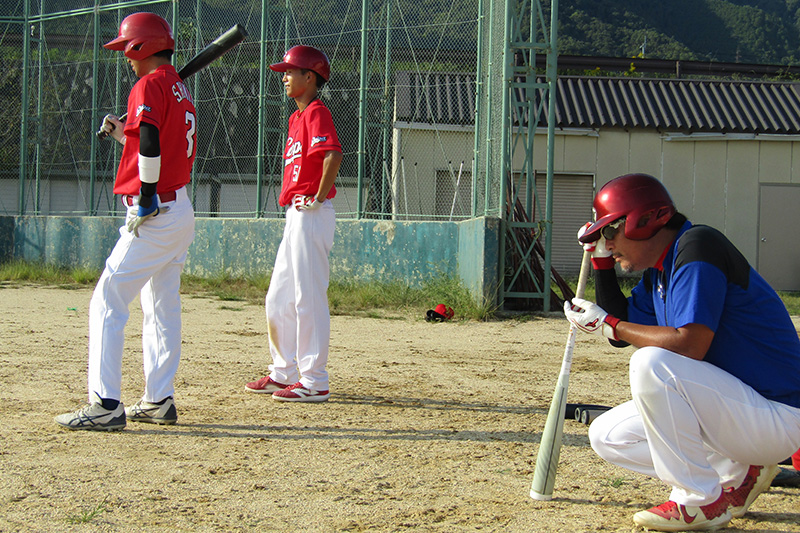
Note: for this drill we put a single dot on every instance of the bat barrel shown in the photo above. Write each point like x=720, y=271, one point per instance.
x=544, y=476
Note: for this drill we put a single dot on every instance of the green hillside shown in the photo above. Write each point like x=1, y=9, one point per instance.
x=755, y=31
x=745, y=31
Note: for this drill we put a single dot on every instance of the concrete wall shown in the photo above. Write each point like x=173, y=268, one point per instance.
x=363, y=250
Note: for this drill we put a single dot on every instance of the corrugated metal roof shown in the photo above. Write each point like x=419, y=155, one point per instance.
x=596, y=102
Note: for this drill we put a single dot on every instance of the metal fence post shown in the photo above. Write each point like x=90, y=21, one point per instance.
x=362, y=109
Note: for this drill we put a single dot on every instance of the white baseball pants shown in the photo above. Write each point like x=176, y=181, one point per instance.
x=149, y=265
x=694, y=426
x=298, y=318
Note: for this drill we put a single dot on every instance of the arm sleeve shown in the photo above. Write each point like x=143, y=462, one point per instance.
x=610, y=297
x=149, y=146
x=149, y=142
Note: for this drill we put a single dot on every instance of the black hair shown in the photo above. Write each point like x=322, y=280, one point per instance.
x=166, y=54
x=320, y=79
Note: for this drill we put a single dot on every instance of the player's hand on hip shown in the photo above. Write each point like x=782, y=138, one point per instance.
x=306, y=203
x=591, y=318
x=145, y=213
x=601, y=256
x=114, y=127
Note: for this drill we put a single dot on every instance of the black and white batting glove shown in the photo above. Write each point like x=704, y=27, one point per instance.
x=114, y=127
x=601, y=256
x=591, y=318
x=306, y=203
x=148, y=208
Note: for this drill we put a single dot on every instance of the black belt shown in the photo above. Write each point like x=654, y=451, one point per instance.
x=163, y=197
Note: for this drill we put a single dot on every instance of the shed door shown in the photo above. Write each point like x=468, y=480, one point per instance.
x=778, y=252
x=572, y=207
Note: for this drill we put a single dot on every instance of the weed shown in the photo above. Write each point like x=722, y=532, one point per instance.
x=616, y=482
x=88, y=515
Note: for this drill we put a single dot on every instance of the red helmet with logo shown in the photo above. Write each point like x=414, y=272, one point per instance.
x=640, y=198
x=306, y=58
x=142, y=35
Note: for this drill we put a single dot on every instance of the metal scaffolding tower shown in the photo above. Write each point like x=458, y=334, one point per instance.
x=512, y=34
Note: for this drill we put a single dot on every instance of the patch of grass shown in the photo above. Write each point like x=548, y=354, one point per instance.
x=347, y=297
x=35, y=272
x=88, y=515
x=228, y=288
x=452, y=292
x=791, y=299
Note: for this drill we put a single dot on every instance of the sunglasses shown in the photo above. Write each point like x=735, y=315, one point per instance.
x=610, y=232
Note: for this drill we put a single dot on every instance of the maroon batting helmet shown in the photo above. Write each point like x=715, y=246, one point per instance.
x=142, y=35
x=640, y=198
x=305, y=58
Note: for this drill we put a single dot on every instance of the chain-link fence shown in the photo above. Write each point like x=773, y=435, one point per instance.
x=402, y=94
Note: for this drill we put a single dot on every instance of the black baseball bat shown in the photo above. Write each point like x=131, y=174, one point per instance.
x=213, y=51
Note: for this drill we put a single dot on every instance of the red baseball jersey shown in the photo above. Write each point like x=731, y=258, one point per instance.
x=311, y=135
x=161, y=99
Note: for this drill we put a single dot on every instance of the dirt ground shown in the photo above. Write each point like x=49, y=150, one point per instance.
x=430, y=427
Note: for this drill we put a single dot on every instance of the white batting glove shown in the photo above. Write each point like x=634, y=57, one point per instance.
x=143, y=214
x=591, y=318
x=601, y=256
x=306, y=203
x=114, y=127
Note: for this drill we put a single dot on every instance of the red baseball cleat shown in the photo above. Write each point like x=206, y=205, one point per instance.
x=757, y=480
x=671, y=516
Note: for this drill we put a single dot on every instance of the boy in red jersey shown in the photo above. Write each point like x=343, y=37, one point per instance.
x=298, y=318
x=148, y=257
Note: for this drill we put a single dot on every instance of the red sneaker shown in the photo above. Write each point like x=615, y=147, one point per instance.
x=757, y=480
x=671, y=516
x=300, y=393
x=265, y=385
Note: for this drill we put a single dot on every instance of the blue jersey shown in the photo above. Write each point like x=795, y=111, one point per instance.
x=706, y=280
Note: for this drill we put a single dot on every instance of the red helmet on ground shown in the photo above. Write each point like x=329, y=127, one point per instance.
x=640, y=198
x=142, y=35
x=306, y=58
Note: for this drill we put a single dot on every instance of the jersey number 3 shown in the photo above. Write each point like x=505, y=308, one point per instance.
x=191, y=128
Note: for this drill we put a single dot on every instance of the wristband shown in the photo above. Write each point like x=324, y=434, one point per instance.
x=149, y=168
x=612, y=322
x=603, y=263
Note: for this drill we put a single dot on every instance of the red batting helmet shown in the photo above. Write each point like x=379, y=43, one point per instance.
x=142, y=35
x=306, y=58
x=640, y=198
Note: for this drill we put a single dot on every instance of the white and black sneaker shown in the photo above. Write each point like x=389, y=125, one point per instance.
x=94, y=417
x=163, y=412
